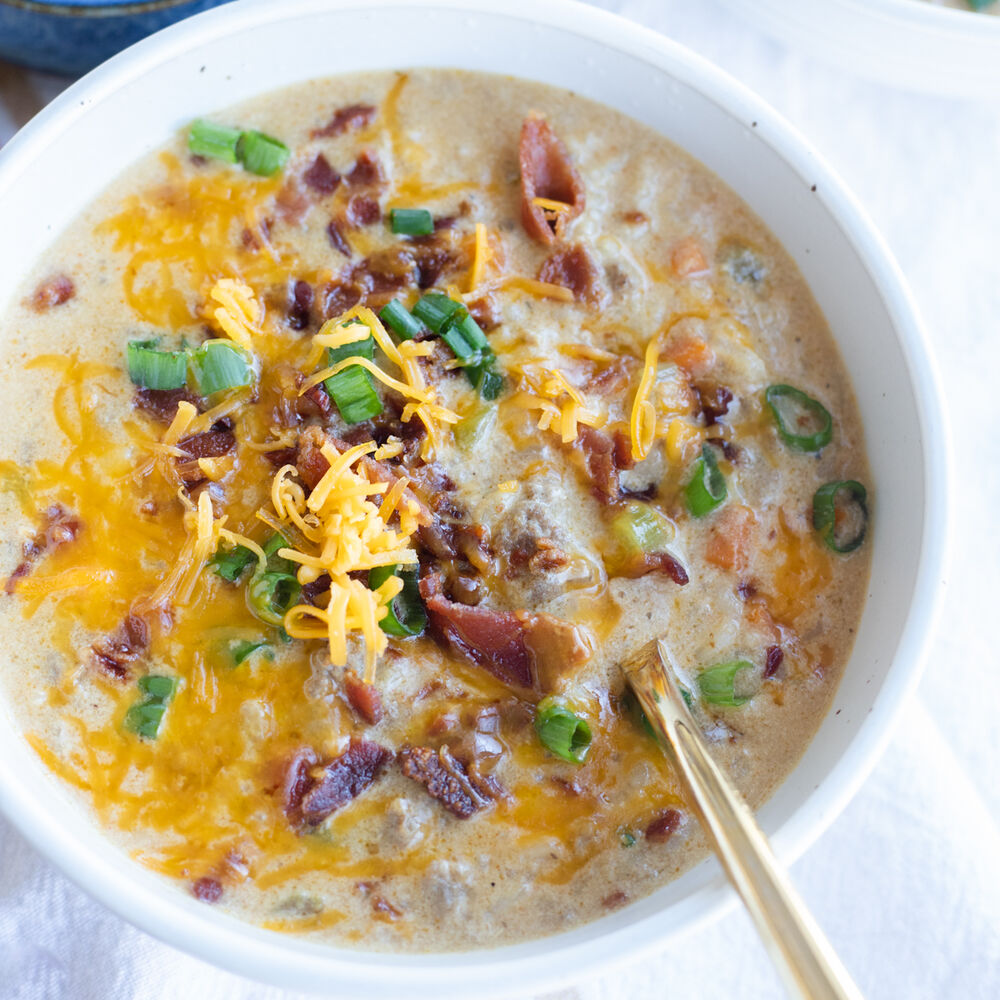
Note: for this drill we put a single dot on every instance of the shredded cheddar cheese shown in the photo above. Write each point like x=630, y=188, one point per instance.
x=642, y=423
x=561, y=405
x=344, y=532
x=239, y=314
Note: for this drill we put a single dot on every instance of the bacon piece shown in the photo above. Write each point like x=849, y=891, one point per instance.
x=529, y=651
x=207, y=889
x=362, y=211
x=605, y=456
x=291, y=202
x=574, y=268
x=729, y=451
x=52, y=292
x=366, y=172
x=321, y=177
x=713, y=401
x=301, y=305
x=775, y=657
x=537, y=555
x=354, y=116
x=161, y=404
x=297, y=782
x=614, y=378
x=123, y=647
x=211, y=444
x=58, y=528
x=343, y=779
x=337, y=239
x=654, y=562
x=660, y=829
x=339, y=296
x=547, y=172
x=615, y=899
x=364, y=698
x=446, y=779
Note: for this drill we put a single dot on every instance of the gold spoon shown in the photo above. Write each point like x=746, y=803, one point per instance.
x=804, y=959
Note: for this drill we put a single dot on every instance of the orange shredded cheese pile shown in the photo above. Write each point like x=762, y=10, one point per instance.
x=238, y=314
x=345, y=531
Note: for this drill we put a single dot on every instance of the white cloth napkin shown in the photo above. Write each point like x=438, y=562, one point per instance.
x=907, y=881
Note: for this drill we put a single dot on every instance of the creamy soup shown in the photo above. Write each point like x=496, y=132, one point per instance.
x=373, y=424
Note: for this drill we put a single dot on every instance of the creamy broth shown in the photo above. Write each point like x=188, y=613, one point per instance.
x=96, y=528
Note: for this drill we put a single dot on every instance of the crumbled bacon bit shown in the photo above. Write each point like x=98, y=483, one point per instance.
x=207, y=890
x=123, y=647
x=53, y=292
x=634, y=217
x=654, y=562
x=321, y=177
x=729, y=451
x=366, y=172
x=446, y=779
x=660, y=829
x=161, y=404
x=364, y=698
x=343, y=779
x=301, y=305
x=614, y=900
x=547, y=172
x=574, y=268
x=354, y=116
x=297, y=782
x=713, y=401
x=775, y=657
x=337, y=239
x=362, y=211
x=58, y=528
x=605, y=456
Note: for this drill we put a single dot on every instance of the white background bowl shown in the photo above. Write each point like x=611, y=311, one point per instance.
x=905, y=43
x=131, y=105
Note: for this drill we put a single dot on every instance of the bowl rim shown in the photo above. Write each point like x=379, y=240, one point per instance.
x=249, y=951
x=92, y=8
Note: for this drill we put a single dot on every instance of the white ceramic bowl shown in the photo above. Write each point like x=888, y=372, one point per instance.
x=905, y=43
x=132, y=104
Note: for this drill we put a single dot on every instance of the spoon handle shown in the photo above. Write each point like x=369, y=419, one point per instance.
x=807, y=964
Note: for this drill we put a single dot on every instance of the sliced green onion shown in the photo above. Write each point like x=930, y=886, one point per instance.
x=352, y=389
x=472, y=333
x=840, y=514
x=146, y=716
x=626, y=836
x=220, y=365
x=411, y=221
x=241, y=650
x=270, y=595
x=400, y=320
x=155, y=369
x=718, y=684
x=434, y=309
x=707, y=488
x=472, y=430
x=261, y=154
x=641, y=528
x=217, y=142
x=354, y=394
x=231, y=563
x=803, y=423
x=451, y=333
x=406, y=615
x=491, y=383
x=158, y=686
x=562, y=731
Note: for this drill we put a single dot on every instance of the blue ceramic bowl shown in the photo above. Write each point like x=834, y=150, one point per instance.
x=72, y=37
